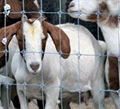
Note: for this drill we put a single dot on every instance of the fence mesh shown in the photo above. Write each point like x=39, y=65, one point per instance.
x=56, y=13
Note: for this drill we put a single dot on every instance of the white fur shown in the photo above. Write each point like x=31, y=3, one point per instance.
x=33, y=36
x=73, y=74
x=103, y=46
x=114, y=6
x=112, y=39
x=111, y=34
x=79, y=9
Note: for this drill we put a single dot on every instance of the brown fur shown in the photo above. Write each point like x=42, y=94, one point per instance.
x=113, y=21
x=16, y=6
x=59, y=38
x=9, y=31
x=104, y=16
x=30, y=6
x=44, y=40
x=113, y=73
x=1, y=5
x=3, y=59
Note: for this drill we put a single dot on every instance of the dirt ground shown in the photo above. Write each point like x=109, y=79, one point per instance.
x=108, y=102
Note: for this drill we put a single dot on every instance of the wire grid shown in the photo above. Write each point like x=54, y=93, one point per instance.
x=42, y=85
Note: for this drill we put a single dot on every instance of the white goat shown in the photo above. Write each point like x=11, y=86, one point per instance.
x=82, y=70
x=109, y=24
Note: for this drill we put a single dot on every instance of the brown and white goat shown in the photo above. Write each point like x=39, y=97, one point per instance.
x=33, y=68
x=35, y=40
x=105, y=13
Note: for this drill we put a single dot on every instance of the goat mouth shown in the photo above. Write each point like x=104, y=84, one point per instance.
x=72, y=11
x=34, y=73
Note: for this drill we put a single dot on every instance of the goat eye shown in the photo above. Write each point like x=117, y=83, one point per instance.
x=19, y=40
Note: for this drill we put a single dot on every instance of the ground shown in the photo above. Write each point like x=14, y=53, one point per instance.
x=108, y=102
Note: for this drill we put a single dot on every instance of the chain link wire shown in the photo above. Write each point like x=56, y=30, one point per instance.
x=6, y=86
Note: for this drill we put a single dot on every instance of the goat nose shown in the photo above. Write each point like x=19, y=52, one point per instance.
x=34, y=66
x=72, y=4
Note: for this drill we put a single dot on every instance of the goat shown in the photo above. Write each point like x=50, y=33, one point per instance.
x=90, y=10
x=32, y=67
x=12, y=46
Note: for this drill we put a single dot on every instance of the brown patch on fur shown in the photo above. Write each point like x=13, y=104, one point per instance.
x=3, y=60
x=104, y=16
x=103, y=9
x=113, y=73
x=92, y=17
x=16, y=6
x=43, y=46
x=9, y=31
x=59, y=38
x=20, y=38
x=30, y=6
x=1, y=5
x=113, y=21
x=44, y=40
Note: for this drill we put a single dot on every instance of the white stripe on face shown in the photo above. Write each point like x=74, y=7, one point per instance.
x=33, y=33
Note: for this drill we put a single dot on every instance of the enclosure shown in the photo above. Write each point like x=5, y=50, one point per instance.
x=17, y=19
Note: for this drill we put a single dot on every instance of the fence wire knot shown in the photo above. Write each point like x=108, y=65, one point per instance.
x=7, y=9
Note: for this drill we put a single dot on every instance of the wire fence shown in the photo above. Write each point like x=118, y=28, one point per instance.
x=56, y=13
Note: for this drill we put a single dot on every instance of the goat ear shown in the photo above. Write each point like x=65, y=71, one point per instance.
x=9, y=31
x=59, y=38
